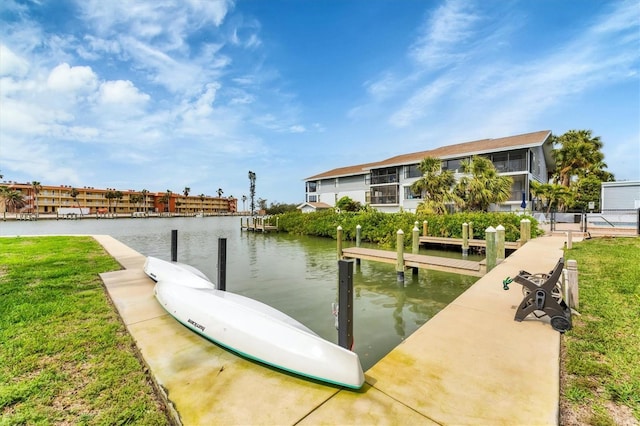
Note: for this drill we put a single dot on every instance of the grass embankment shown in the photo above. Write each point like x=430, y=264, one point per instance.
x=601, y=368
x=65, y=356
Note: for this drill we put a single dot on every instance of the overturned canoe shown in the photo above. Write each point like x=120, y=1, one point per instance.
x=249, y=327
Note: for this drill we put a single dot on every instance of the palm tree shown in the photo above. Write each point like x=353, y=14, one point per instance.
x=483, y=186
x=74, y=194
x=579, y=154
x=135, y=199
x=201, y=196
x=144, y=193
x=165, y=200
x=36, y=187
x=551, y=194
x=434, y=186
x=13, y=199
x=4, y=192
x=220, y=192
x=185, y=192
x=252, y=190
x=244, y=203
x=109, y=195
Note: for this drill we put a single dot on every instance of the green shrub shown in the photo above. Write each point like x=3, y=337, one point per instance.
x=381, y=228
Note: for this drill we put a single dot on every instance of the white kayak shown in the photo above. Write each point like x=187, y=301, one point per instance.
x=249, y=327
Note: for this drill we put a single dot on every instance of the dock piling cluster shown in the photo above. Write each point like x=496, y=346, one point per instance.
x=494, y=244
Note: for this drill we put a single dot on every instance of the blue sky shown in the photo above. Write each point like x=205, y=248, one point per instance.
x=167, y=94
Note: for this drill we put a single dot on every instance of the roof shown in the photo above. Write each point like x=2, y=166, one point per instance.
x=317, y=206
x=345, y=171
x=481, y=146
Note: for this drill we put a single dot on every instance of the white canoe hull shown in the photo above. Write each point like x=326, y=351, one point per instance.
x=251, y=328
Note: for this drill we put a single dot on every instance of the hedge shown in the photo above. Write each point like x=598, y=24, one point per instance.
x=381, y=228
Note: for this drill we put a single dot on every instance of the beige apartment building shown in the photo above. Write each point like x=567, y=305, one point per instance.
x=48, y=199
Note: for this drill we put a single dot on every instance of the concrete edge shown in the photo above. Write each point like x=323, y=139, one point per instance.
x=107, y=242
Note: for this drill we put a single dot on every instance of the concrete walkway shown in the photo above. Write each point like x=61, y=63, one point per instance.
x=470, y=364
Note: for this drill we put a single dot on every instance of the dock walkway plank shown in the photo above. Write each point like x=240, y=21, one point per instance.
x=459, y=266
x=458, y=242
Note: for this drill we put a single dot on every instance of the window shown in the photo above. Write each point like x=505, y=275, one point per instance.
x=500, y=162
x=513, y=161
x=313, y=198
x=517, y=162
x=410, y=195
x=387, y=175
x=384, y=194
x=311, y=186
x=517, y=188
x=453, y=165
x=411, y=171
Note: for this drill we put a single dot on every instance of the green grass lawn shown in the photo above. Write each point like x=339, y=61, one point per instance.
x=65, y=356
x=601, y=366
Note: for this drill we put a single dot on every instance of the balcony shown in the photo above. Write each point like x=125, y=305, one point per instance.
x=385, y=199
x=381, y=179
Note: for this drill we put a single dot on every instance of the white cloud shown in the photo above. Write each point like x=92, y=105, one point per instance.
x=417, y=106
x=297, y=129
x=64, y=78
x=246, y=34
x=445, y=32
x=12, y=64
x=121, y=92
x=384, y=87
x=165, y=22
x=93, y=48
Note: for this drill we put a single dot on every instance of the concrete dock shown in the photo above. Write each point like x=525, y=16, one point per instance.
x=470, y=364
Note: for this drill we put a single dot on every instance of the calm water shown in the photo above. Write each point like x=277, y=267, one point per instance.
x=297, y=275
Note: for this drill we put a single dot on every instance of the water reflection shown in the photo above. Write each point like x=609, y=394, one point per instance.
x=297, y=275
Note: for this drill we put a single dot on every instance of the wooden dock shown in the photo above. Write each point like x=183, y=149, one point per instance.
x=258, y=224
x=472, y=242
x=435, y=263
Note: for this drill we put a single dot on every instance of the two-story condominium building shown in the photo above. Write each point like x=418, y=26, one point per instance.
x=386, y=185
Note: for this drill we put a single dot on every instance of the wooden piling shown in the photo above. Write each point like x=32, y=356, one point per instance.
x=523, y=231
x=345, y=304
x=500, y=243
x=222, y=264
x=571, y=291
x=400, y=255
x=490, y=237
x=415, y=245
x=465, y=239
x=569, y=240
x=174, y=245
x=358, y=239
x=424, y=228
x=339, y=241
